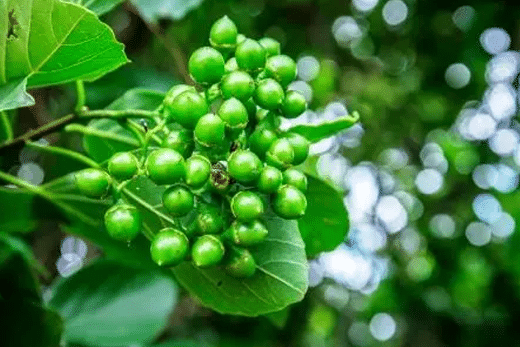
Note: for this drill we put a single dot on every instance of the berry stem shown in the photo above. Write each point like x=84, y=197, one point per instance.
x=6, y=125
x=147, y=206
x=100, y=133
x=64, y=152
x=81, y=97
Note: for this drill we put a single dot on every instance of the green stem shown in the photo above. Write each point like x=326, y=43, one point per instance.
x=64, y=152
x=101, y=134
x=119, y=114
x=136, y=129
x=81, y=96
x=147, y=206
x=6, y=125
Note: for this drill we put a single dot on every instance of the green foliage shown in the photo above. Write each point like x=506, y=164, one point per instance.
x=317, y=132
x=99, y=7
x=153, y=10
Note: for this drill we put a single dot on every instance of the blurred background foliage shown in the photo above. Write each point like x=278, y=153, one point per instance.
x=430, y=175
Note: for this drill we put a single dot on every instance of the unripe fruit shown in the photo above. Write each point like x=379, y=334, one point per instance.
x=244, y=166
x=123, y=222
x=270, y=180
x=178, y=201
x=186, y=109
x=269, y=94
x=165, y=166
x=231, y=65
x=237, y=84
x=206, y=65
x=247, y=206
x=233, y=113
x=280, y=154
x=261, y=140
x=207, y=251
x=223, y=34
x=300, y=145
x=241, y=38
x=250, y=55
x=294, y=104
x=289, y=202
x=92, y=182
x=198, y=169
x=271, y=46
x=241, y=263
x=209, y=220
x=247, y=233
x=295, y=178
x=180, y=140
x=282, y=68
x=175, y=91
x=210, y=130
x=169, y=247
x=123, y=165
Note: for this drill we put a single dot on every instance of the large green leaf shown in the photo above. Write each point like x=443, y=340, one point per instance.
x=153, y=10
x=99, y=7
x=102, y=149
x=325, y=224
x=106, y=304
x=282, y=270
x=318, y=132
x=51, y=42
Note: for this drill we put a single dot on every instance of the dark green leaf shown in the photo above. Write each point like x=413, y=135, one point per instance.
x=325, y=224
x=317, y=132
x=17, y=214
x=279, y=319
x=10, y=244
x=106, y=304
x=13, y=95
x=153, y=10
x=18, y=281
x=183, y=343
x=99, y=7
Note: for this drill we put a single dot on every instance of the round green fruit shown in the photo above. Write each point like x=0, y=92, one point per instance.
x=123, y=165
x=269, y=94
x=206, y=65
x=169, y=247
x=175, y=91
x=240, y=264
x=186, y=109
x=247, y=206
x=198, y=169
x=178, y=200
x=207, y=251
x=271, y=46
x=261, y=140
x=237, y=84
x=270, y=180
x=223, y=34
x=165, y=166
x=123, y=222
x=280, y=154
x=244, y=166
x=294, y=104
x=295, y=178
x=250, y=55
x=300, y=146
x=247, y=233
x=282, y=68
x=180, y=140
x=231, y=65
x=210, y=130
x=233, y=113
x=92, y=182
x=209, y=220
x=289, y=202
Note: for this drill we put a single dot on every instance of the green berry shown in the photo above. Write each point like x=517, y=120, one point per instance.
x=237, y=84
x=241, y=263
x=175, y=91
x=209, y=220
x=271, y=46
x=294, y=104
x=223, y=33
x=300, y=145
x=198, y=169
x=244, y=166
x=219, y=177
x=178, y=201
x=186, y=109
x=270, y=180
x=206, y=65
x=92, y=182
x=207, y=251
x=247, y=206
x=169, y=247
x=280, y=154
x=241, y=38
x=210, y=130
x=123, y=222
x=295, y=178
x=180, y=140
x=247, y=233
x=231, y=65
x=233, y=113
x=261, y=140
x=282, y=68
x=250, y=55
x=251, y=110
x=165, y=166
x=123, y=165
x=269, y=94
x=289, y=202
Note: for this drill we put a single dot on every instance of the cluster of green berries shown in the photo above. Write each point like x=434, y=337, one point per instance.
x=222, y=158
